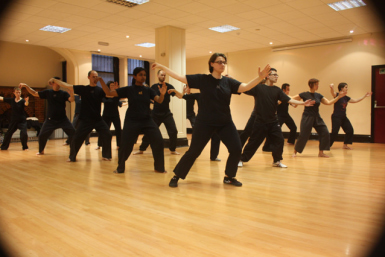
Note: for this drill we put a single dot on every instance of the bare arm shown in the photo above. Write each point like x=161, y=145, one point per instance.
x=106, y=90
x=1, y=98
x=26, y=101
x=296, y=97
x=72, y=96
x=29, y=89
x=177, y=93
x=330, y=102
x=170, y=72
x=353, y=101
x=162, y=90
x=306, y=103
x=261, y=75
x=332, y=90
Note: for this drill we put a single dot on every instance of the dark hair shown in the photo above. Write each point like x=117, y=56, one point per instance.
x=341, y=85
x=285, y=85
x=17, y=89
x=213, y=58
x=56, y=78
x=272, y=69
x=89, y=73
x=109, y=83
x=312, y=82
x=136, y=72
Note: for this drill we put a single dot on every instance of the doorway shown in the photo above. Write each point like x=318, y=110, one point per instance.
x=378, y=104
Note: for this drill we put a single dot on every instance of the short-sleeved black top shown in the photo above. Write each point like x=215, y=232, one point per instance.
x=18, y=113
x=340, y=107
x=111, y=106
x=91, y=101
x=164, y=107
x=312, y=110
x=56, y=103
x=283, y=109
x=267, y=102
x=215, y=97
x=78, y=104
x=190, y=101
x=139, y=99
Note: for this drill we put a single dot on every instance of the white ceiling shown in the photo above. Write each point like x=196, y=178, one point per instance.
x=279, y=21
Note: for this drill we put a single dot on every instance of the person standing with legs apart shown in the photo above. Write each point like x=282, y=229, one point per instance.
x=312, y=119
x=284, y=118
x=162, y=114
x=339, y=118
x=56, y=114
x=18, y=119
x=111, y=114
x=138, y=119
x=214, y=115
x=89, y=117
x=266, y=122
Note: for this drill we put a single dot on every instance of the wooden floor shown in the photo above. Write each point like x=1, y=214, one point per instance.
x=316, y=207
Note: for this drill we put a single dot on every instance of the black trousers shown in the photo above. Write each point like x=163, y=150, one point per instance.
x=288, y=120
x=84, y=129
x=246, y=133
x=75, y=124
x=214, y=148
x=307, y=123
x=191, y=118
x=131, y=131
x=13, y=126
x=49, y=126
x=169, y=123
x=118, y=128
x=202, y=133
x=344, y=123
x=260, y=132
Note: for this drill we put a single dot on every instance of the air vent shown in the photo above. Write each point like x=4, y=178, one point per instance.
x=103, y=43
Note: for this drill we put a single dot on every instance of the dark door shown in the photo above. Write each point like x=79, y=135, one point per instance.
x=378, y=104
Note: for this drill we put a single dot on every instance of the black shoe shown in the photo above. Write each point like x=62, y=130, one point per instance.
x=87, y=143
x=215, y=160
x=173, y=182
x=232, y=181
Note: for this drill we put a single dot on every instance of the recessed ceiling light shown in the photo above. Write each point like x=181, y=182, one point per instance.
x=98, y=50
x=224, y=28
x=146, y=44
x=351, y=31
x=26, y=40
x=140, y=55
x=127, y=36
x=271, y=43
x=347, y=4
x=211, y=52
x=137, y=1
x=56, y=29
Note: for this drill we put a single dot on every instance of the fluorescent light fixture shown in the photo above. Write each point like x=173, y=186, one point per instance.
x=347, y=4
x=146, y=45
x=128, y=3
x=224, y=28
x=56, y=29
x=321, y=43
x=137, y=1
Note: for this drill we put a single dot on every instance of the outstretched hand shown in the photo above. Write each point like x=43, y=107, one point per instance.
x=155, y=65
x=186, y=89
x=264, y=72
x=21, y=85
x=51, y=81
x=368, y=94
x=163, y=89
x=342, y=94
x=309, y=102
x=331, y=86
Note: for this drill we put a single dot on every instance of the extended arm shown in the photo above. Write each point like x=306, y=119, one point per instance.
x=177, y=93
x=162, y=90
x=360, y=99
x=329, y=102
x=261, y=75
x=170, y=72
x=60, y=83
x=29, y=89
x=72, y=96
x=106, y=90
x=306, y=103
x=332, y=90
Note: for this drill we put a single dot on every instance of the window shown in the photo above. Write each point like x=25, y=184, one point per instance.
x=106, y=66
x=132, y=64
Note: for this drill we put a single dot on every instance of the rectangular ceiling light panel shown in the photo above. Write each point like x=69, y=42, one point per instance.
x=56, y=29
x=224, y=28
x=146, y=45
x=348, y=4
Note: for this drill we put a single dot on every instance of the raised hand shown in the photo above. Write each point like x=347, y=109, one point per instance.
x=264, y=72
x=163, y=89
x=331, y=86
x=21, y=85
x=368, y=94
x=51, y=81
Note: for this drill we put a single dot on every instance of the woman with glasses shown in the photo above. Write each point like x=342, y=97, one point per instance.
x=312, y=119
x=213, y=116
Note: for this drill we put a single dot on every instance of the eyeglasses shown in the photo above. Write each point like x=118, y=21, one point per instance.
x=275, y=75
x=221, y=62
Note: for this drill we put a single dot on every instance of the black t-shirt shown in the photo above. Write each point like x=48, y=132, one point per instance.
x=340, y=107
x=267, y=102
x=312, y=110
x=111, y=106
x=190, y=101
x=164, y=107
x=78, y=104
x=139, y=99
x=18, y=113
x=215, y=97
x=91, y=101
x=56, y=103
x=283, y=109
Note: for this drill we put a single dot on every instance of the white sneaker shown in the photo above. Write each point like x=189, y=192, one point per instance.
x=279, y=165
x=240, y=164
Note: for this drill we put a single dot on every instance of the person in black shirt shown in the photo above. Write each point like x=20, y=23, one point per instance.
x=284, y=118
x=56, y=114
x=138, y=119
x=18, y=119
x=312, y=119
x=266, y=122
x=111, y=114
x=161, y=114
x=339, y=118
x=89, y=117
x=214, y=115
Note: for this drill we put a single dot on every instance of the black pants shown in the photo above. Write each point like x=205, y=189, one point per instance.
x=75, y=124
x=293, y=132
x=131, y=131
x=13, y=126
x=307, y=123
x=344, y=123
x=246, y=133
x=118, y=128
x=49, y=126
x=260, y=132
x=84, y=129
x=191, y=117
x=214, y=149
x=169, y=123
x=202, y=133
